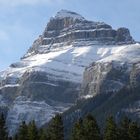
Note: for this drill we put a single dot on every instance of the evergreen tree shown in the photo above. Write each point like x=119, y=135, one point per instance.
x=111, y=131
x=78, y=131
x=124, y=129
x=15, y=137
x=55, y=129
x=10, y=138
x=22, y=132
x=91, y=129
x=32, y=131
x=134, y=131
x=42, y=135
x=3, y=129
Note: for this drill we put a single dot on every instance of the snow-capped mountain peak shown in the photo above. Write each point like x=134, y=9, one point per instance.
x=52, y=70
x=68, y=14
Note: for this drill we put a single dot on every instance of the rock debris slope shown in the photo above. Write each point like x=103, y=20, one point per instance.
x=48, y=77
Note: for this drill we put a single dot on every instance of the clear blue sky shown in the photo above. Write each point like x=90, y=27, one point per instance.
x=21, y=21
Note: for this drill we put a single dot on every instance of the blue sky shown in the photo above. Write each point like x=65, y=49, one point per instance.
x=22, y=21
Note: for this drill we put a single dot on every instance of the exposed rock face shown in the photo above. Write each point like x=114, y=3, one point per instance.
x=109, y=77
x=135, y=75
x=68, y=26
x=80, y=28
x=37, y=86
x=104, y=77
x=51, y=72
x=123, y=35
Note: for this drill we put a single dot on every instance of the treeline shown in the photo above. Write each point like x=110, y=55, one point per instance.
x=83, y=129
x=54, y=131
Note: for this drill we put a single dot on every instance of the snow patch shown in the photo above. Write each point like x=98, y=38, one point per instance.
x=87, y=96
x=39, y=111
x=9, y=85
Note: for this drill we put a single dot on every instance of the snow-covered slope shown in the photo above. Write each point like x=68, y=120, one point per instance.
x=48, y=77
x=69, y=62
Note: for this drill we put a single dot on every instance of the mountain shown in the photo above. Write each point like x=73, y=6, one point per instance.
x=72, y=53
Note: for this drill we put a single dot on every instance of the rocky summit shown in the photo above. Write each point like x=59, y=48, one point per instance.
x=71, y=53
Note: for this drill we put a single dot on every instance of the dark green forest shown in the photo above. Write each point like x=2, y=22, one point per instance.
x=84, y=129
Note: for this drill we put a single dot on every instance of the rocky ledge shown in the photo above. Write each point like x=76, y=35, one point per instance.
x=69, y=26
